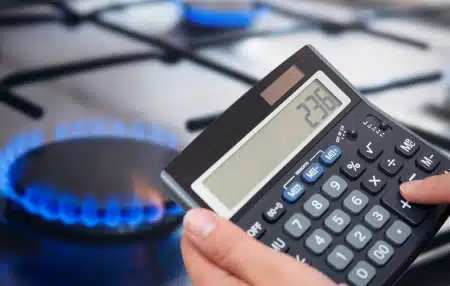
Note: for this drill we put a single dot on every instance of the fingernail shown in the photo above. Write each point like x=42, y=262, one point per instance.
x=342, y=284
x=410, y=186
x=199, y=222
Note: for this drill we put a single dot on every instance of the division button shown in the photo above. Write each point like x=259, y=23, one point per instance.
x=398, y=233
x=362, y=274
x=391, y=165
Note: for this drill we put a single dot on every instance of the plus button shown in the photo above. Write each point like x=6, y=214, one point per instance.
x=412, y=214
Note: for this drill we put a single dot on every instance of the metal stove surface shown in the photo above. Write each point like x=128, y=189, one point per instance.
x=170, y=93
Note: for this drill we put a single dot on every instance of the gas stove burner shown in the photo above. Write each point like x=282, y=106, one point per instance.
x=92, y=176
x=239, y=14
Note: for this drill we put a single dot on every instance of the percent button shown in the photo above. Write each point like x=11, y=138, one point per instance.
x=353, y=169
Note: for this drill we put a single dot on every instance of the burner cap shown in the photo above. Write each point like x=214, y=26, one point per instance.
x=221, y=14
x=94, y=176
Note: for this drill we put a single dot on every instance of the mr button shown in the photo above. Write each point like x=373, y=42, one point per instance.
x=407, y=148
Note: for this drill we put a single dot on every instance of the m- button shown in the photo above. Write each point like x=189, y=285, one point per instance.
x=407, y=148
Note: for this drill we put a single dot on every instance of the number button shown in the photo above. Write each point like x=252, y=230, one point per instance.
x=353, y=169
x=256, y=230
x=407, y=148
x=374, y=183
x=312, y=173
x=362, y=274
x=330, y=155
x=359, y=237
x=370, y=151
x=316, y=206
x=274, y=213
x=377, y=217
x=340, y=258
x=391, y=165
x=427, y=162
x=380, y=253
x=356, y=202
x=398, y=233
x=334, y=187
x=318, y=241
x=297, y=225
x=293, y=192
x=337, y=221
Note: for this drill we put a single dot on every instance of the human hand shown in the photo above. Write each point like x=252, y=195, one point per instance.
x=217, y=252
x=432, y=190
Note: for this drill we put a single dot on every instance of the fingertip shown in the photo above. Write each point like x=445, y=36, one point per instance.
x=199, y=222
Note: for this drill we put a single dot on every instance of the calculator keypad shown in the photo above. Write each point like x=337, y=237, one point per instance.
x=342, y=210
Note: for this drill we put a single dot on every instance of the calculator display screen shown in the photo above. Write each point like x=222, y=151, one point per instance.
x=251, y=161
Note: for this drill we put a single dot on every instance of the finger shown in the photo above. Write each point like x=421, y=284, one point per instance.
x=432, y=190
x=201, y=271
x=231, y=249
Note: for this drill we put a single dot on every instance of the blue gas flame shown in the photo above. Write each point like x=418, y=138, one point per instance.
x=54, y=205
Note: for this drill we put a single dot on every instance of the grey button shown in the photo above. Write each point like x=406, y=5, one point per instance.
x=316, y=206
x=377, y=217
x=359, y=237
x=340, y=258
x=380, y=253
x=356, y=202
x=318, y=241
x=297, y=225
x=398, y=233
x=362, y=274
x=337, y=221
x=334, y=187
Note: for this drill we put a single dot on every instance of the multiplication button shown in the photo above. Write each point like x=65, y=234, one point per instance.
x=374, y=183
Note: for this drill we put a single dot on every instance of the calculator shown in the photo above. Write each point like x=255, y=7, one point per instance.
x=307, y=166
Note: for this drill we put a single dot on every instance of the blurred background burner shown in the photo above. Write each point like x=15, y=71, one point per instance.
x=219, y=14
x=92, y=184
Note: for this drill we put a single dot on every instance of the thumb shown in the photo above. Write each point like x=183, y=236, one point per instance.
x=227, y=246
x=432, y=190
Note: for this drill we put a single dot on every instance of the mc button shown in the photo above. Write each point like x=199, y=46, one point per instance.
x=407, y=148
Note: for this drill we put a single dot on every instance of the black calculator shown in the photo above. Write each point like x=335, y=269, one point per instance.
x=304, y=164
